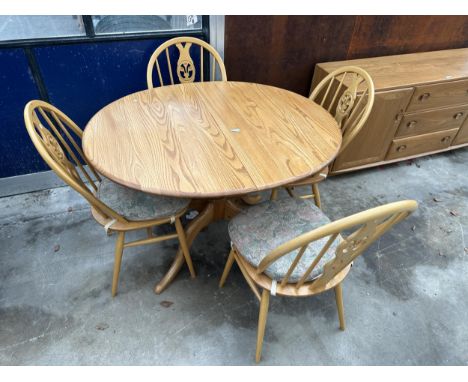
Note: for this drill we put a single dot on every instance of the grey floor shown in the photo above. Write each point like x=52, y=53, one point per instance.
x=405, y=299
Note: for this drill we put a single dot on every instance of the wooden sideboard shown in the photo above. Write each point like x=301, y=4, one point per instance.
x=420, y=107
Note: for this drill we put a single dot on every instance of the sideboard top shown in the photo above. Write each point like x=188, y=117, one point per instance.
x=405, y=70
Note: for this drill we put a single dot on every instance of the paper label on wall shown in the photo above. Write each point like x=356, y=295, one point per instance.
x=191, y=19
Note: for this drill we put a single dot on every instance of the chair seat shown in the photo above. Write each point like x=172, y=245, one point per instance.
x=259, y=229
x=137, y=205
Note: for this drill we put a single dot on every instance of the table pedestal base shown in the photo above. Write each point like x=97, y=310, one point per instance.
x=209, y=211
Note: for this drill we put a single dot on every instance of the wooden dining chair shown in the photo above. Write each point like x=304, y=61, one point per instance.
x=348, y=94
x=291, y=248
x=185, y=69
x=117, y=208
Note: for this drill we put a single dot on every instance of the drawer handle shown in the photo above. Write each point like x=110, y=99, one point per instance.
x=411, y=124
x=446, y=139
x=424, y=96
x=458, y=115
x=401, y=148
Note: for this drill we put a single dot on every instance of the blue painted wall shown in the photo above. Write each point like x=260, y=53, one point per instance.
x=80, y=79
x=17, y=87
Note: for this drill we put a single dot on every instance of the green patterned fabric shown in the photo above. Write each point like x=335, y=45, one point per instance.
x=259, y=229
x=137, y=205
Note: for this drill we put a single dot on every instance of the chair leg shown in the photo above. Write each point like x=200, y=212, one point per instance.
x=290, y=191
x=227, y=268
x=262, y=318
x=316, y=192
x=339, y=305
x=184, y=246
x=119, y=246
x=274, y=194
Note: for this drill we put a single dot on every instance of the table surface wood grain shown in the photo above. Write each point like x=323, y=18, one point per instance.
x=211, y=139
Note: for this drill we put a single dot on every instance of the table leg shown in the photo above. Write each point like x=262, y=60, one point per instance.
x=252, y=199
x=231, y=208
x=205, y=217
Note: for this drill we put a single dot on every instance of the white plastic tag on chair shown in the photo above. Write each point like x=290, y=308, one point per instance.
x=109, y=224
x=191, y=214
x=323, y=175
x=273, y=288
x=172, y=219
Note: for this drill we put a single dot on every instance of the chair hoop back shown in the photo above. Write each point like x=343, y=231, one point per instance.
x=186, y=68
x=58, y=140
x=366, y=226
x=348, y=94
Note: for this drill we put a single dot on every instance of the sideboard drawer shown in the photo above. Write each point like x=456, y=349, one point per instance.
x=430, y=121
x=405, y=147
x=439, y=95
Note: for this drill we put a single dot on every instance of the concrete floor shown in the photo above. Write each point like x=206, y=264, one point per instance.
x=405, y=299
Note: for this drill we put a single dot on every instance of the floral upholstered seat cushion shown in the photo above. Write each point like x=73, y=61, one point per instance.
x=259, y=229
x=137, y=205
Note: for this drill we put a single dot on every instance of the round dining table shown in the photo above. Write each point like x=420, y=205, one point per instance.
x=212, y=142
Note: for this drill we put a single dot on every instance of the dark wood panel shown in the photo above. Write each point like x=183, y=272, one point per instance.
x=386, y=35
x=283, y=50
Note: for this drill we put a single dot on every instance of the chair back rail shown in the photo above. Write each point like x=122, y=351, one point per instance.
x=52, y=133
x=366, y=227
x=185, y=71
x=348, y=94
